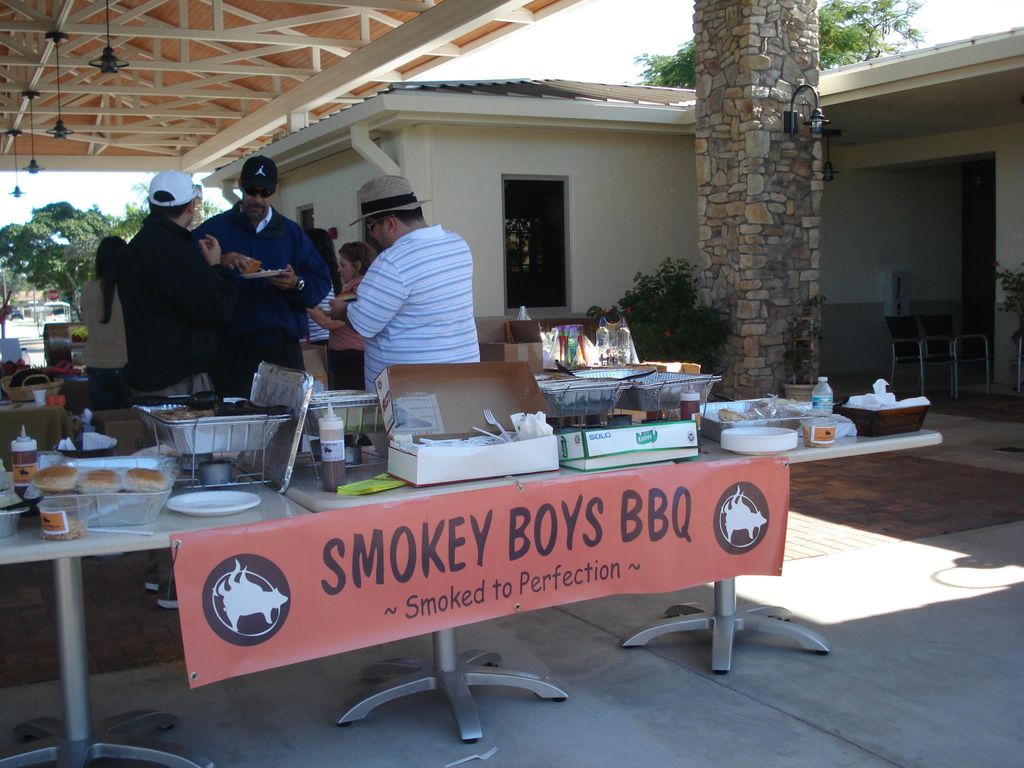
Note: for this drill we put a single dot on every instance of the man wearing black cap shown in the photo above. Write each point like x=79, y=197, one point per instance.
x=269, y=319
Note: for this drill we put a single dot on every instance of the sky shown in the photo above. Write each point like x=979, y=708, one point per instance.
x=595, y=41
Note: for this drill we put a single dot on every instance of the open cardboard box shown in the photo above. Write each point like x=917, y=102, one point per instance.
x=511, y=341
x=446, y=401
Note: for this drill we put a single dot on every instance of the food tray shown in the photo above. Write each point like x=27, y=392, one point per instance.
x=578, y=396
x=210, y=434
x=711, y=427
x=659, y=391
x=890, y=421
x=125, y=508
x=359, y=409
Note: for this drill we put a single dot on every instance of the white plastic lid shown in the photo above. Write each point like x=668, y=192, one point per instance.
x=689, y=394
x=23, y=442
x=331, y=420
x=823, y=378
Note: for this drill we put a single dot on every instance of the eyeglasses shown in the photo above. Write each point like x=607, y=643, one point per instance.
x=254, y=192
x=371, y=224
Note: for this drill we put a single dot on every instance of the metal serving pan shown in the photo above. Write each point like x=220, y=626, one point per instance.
x=658, y=391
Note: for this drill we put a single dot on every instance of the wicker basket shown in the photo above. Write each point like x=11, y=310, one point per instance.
x=893, y=421
x=23, y=393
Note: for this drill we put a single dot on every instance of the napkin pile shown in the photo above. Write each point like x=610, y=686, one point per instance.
x=880, y=400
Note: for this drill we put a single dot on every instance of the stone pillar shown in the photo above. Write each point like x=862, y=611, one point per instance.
x=759, y=189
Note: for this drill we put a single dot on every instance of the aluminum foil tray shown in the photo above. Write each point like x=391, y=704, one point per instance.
x=711, y=426
x=579, y=397
x=659, y=391
x=210, y=434
x=359, y=409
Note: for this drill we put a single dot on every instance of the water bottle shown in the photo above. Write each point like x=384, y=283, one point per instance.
x=625, y=343
x=821, y=398
x=603, y=340
x=522, y=313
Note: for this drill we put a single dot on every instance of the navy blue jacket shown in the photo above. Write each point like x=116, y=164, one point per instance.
x=262, y=312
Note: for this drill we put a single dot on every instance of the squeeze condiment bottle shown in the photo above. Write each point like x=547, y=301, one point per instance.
x=24, y=457
x=689, y=405
x=332, y=451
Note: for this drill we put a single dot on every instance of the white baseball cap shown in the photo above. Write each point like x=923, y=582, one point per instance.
x=171, y=188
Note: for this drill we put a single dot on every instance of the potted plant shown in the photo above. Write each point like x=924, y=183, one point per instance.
x=1012, y=285
x=802, y=349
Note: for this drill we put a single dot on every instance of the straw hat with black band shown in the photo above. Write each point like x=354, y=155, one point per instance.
x=385, y=194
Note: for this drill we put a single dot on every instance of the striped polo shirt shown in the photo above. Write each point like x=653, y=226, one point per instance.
x=416, y=303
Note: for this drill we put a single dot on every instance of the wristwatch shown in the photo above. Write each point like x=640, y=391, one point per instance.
x=300, y=285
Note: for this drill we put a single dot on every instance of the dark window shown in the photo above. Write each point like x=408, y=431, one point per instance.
x=306, y=217
x=535, y=248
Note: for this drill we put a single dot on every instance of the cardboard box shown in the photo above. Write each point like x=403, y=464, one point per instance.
x=593, y=448
x=499, y=352
x=314, y=360
x=125, y=425
x=447, y=402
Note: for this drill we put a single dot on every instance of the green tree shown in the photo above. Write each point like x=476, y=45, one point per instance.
x=849, y=31
x=55, y=249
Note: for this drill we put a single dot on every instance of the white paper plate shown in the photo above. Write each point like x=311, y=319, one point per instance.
x=206, y=503
x=264, y=273
x=758, y=440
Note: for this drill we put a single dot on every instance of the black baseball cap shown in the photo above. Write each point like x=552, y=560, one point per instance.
x=259, y=172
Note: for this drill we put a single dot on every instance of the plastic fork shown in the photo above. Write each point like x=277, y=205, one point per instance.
x=489, y=418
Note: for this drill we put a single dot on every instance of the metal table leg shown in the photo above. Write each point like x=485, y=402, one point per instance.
x=452, y=675
x=79, y=744
x=724, y=624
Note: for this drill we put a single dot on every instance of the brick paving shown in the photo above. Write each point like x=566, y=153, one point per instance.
x=836, y=506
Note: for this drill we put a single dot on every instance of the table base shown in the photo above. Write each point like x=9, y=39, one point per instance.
x=73, y=742
x=724, y=624
x=452, y=674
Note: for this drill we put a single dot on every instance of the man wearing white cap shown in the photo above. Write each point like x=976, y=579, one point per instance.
x=174, y=296
x=415, y=302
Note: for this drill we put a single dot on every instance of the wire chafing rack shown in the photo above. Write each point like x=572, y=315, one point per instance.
x=203, y=438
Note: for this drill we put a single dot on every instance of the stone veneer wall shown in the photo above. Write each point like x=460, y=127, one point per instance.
x=759, y=189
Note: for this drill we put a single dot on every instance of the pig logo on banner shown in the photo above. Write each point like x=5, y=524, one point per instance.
x=246, y=600
x=741, y=518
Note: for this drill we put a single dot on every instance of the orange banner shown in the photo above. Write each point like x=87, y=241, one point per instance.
x=260, y=596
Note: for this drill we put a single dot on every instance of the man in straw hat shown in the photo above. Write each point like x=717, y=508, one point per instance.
x=415, y=303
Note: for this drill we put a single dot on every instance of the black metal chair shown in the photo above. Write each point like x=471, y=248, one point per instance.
x=938, y=346
x=906, y=347
x=973, y=348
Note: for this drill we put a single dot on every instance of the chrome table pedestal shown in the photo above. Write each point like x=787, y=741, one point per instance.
x=452, y=675
x=724, y=623
x=80, y=744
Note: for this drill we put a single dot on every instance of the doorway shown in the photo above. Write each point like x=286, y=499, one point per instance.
x=978, y=247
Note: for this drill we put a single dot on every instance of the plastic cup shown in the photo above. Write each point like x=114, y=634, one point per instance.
x=39, y=395
x=64, y=517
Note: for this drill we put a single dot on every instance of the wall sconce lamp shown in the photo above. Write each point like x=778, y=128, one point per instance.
x=108, y=63
x=14, y=133
x=829, y=172
x=59, y=130
x=33, y=167
x=791, y=118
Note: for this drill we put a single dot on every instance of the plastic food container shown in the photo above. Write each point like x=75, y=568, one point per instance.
x=819, y=432
x=65, y=517
x=9, y=522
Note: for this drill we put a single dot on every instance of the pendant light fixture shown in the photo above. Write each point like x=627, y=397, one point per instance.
x=33, y=166
x=829, y=172
x=59, y=130
x=14, y=133
x=108, y=63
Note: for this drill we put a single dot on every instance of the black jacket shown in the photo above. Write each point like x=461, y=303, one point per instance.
x=174, y=305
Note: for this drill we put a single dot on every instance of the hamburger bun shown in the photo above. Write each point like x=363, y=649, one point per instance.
x=59, y=479
x=146, y=480
x=99, y=481
x=252, y=267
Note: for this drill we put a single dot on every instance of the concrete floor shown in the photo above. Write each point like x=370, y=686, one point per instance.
x=925, y=671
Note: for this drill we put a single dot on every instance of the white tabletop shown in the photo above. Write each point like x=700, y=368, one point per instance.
x=305, y=496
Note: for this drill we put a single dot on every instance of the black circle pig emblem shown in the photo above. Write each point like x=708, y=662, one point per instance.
x=246, y=599
x=741, y=518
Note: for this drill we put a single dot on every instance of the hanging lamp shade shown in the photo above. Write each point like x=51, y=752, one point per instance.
x=108, y=63
x=14, y=133
x=59, y=130
x=33, y=167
